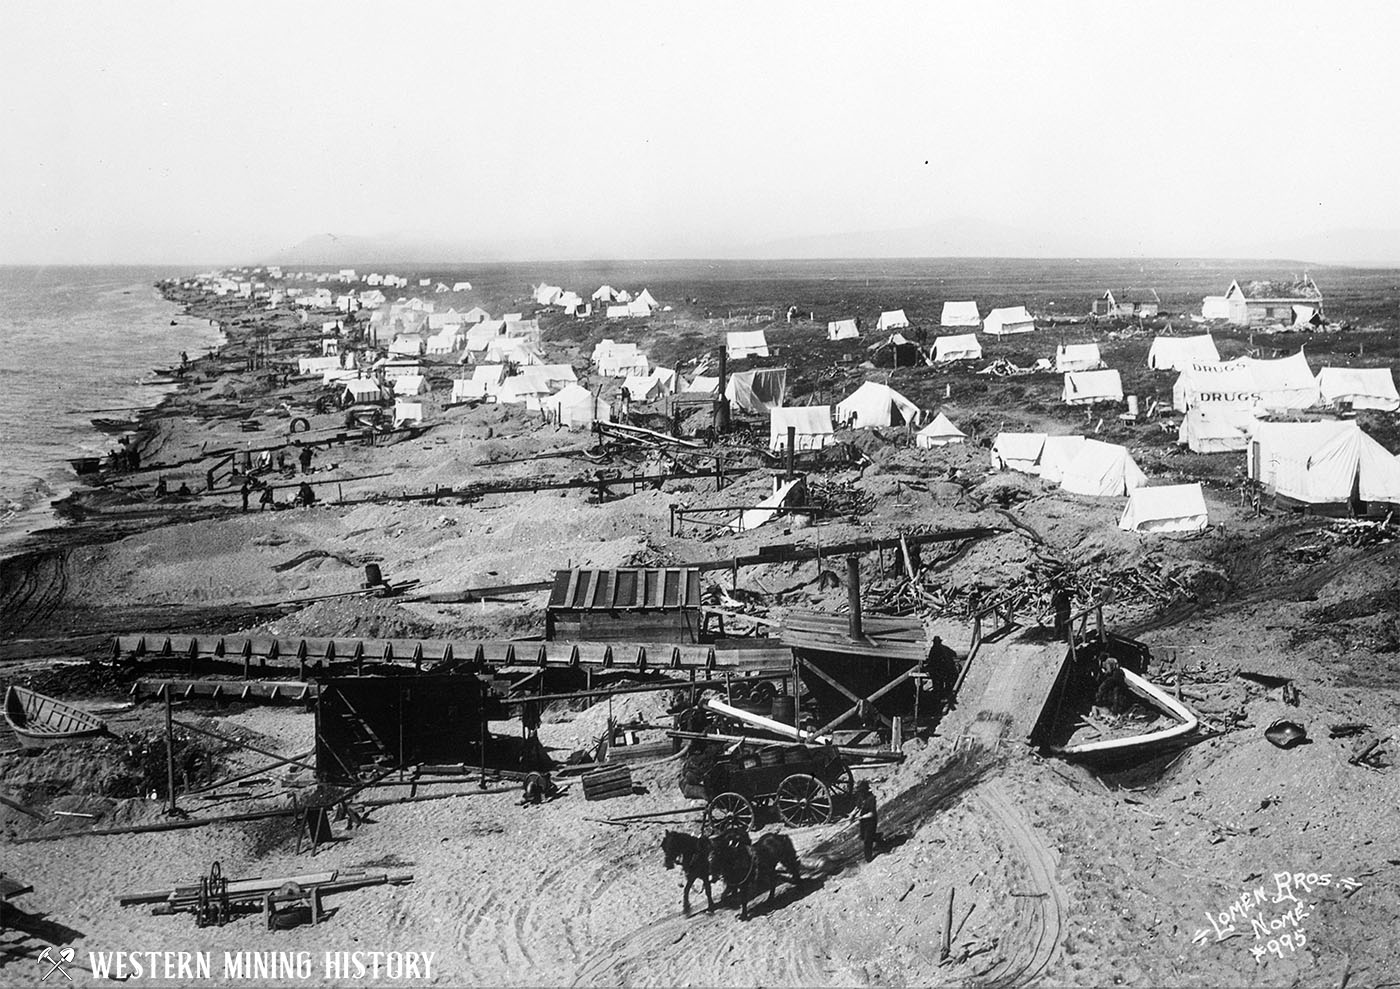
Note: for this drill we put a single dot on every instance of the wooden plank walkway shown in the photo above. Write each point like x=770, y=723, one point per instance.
x=1009, y=684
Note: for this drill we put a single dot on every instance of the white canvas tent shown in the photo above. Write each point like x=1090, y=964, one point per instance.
x=757, y=391
x=645, y=298
x=739, y=344
x=409, y=385
x=605, y=293
x=619, y=360
x=702, y=385
x=1078, y=357
x=642, y=388
x=617, y=312
x=461, y=286
x=1008, y=321
x=842, y=329
x=1057, y=452
x=1215, y=307
x=575, y=407
x=475, y=315
x=363, y=390
x=1168, y=508
x=940, y=432
x=1215, y=429
x=1177, y=353
x=407, y=412
x=638, y=308
x=960, y=347
x=317, y=365
x=513, y=350
x=446, y=340
x=960, y=314
x=1363, y=387
x=874, y=404
x=546, y=295
x=411, y=346
x=1102, y=470
x=1286, y=384
x=1017, y=451
x=1325, y=464
x=1227, y=384
x=812, y=422
x=480, y=335
x=1089, y=387
x=892, y=319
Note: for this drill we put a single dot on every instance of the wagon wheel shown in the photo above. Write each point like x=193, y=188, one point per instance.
x=803, y=801
x=729, y=810
x=840, y=782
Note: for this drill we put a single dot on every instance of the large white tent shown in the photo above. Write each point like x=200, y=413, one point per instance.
x=1008, y=321
x=1176, y=353
x=739, y=344
x=1322, y=463
x=619, y=360
x=1362, y=387
x=364, y=390
x=812, y=422
x=1017, y=451
x=959, y=347
x=874, y=404
x=892, y=319
x=1284, y=384
x=1089, y=387
x=1056, y=453
x=617, y=312
x=1227, y=384
x=757, y=391
x=1077, y=357
x=960, y=314
x=940, y=432
x=1102, y=470
x=1167, y=508
x=644, y=297
x=575, y=407
x=410, y=384
x=605, y=293
x=842, y=329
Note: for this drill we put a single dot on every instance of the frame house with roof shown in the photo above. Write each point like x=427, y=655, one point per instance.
x=1263, y=303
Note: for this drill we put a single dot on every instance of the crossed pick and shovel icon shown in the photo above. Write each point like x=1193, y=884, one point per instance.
x=65, y=957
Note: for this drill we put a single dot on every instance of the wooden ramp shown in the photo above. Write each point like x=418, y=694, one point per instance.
x=1008, y=685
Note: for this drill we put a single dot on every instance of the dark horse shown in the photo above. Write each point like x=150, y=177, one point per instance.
x=693, y=854
x=746, y=868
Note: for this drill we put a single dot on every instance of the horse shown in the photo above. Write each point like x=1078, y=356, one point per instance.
x=746, y=867
x=694, y=855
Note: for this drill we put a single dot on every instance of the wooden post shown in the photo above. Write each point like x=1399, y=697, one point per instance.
x=722, y=403
x=853, y=595
x=170, y=753
x=481, y=719
x=791, y=451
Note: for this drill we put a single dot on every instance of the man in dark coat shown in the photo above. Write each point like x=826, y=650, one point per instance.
x=867, y=816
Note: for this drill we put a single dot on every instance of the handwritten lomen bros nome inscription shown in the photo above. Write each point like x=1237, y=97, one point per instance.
x=1274, y=916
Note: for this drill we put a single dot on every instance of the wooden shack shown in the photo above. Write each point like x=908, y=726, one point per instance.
x=1261, y=303
x=1127, y=303
x=373, y=723
x=660, y=604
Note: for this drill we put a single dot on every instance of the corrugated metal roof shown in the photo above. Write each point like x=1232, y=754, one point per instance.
x=643, y=588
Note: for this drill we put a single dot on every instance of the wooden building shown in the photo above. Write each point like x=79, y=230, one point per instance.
x=374, y=723
x=1127, y=303
x=627, y=605
x=1264, y=303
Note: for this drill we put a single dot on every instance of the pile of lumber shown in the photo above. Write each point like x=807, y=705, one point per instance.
x=604, y=784
x=1361, y=532
x=250, y=894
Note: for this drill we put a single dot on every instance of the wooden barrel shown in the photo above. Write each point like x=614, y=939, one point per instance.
x=784, y=709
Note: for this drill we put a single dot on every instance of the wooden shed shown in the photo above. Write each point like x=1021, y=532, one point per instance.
x=373, y=723
x=660, y=604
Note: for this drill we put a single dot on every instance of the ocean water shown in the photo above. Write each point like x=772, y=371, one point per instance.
x=75, y=340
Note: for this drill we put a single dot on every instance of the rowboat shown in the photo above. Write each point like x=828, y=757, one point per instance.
x=1182, y=723
x=40, y=722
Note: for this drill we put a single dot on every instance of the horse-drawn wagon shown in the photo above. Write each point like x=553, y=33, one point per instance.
x=802, y=784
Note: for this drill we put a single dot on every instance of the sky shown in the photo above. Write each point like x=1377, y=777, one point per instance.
x=194, y=132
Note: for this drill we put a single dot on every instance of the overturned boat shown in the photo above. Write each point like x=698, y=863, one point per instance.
x=1173, y=724
x=40, y=722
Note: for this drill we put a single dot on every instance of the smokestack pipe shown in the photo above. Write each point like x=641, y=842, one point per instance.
x=853, y=595
x=722, y=406
x=791, y=451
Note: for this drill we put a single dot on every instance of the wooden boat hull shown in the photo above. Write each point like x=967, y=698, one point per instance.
x=1137, y=746
x=41, y=722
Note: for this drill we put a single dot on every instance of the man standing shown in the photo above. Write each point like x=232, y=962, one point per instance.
x=305, y=457
x=244, y=492
x=866, y=814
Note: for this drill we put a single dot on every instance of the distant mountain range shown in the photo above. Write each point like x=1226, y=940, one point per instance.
x=959, y=237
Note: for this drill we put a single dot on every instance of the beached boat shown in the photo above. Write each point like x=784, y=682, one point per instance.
x=115, y=425
x=85, y=465
x=39, y=721
x=1179, y=723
